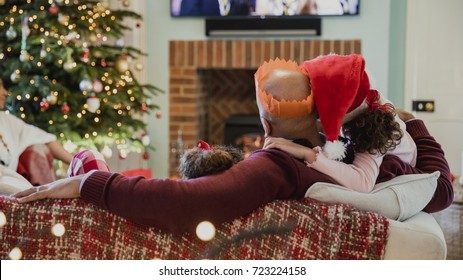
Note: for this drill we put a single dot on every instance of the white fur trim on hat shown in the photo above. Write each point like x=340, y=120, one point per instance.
x=335, y=150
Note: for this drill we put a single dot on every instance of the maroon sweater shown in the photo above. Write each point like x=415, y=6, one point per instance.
x=266, y=175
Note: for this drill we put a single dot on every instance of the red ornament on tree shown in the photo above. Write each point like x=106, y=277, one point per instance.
x=85, y=55
x=146, y=155
x=65, y=108
x=158, y=115
x=53, y=9
x=143, y=108
x=44, y=105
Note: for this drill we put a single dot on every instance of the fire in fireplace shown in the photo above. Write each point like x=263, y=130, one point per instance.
x=245, y=132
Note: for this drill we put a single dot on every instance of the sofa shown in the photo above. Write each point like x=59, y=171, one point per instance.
x=330, y=223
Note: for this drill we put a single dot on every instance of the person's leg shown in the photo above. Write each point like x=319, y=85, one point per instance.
x=85, y=161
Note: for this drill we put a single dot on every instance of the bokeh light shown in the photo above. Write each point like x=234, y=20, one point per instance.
x=205, y=231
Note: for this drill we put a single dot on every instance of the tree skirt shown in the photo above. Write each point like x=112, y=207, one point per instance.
x=289, y=229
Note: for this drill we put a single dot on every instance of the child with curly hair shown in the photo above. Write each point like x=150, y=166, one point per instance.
x=341, y=92
x=207, y=160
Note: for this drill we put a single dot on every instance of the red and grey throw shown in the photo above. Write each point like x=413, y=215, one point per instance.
x=290, y=229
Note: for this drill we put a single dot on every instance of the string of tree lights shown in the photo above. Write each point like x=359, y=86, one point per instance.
x=69, y=72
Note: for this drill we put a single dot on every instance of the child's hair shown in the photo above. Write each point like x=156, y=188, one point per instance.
x=374, y=131
x=198, y=162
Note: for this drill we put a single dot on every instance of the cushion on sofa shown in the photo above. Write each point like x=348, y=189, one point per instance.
x=397, y=199
x=11, y=182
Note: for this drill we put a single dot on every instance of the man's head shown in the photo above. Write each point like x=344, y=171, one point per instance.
x=283, y=95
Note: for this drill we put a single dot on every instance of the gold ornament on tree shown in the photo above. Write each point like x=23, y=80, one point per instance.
x=52, y=98
x=24, y=56
x=93, y=104
x=15, y=76
x=85, y=85
x=11, y=33
x=145, y=139
x=69, y=65
x=63, y=19
x=122, y=64
x=139, y=66
x=43, y=53
x=105, y=3
x=97, y=86
x=92, y=38
x=120, y=43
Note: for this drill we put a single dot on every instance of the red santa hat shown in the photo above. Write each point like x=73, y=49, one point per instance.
x=339, y=85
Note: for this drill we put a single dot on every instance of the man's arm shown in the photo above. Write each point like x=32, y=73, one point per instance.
x=178, y=205
x=430, y=158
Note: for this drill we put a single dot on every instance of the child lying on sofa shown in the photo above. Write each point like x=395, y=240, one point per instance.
x=205, y=160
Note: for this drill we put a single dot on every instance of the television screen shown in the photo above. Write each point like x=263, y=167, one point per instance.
x=263, y=8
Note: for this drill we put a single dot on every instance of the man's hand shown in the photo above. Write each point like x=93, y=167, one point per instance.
x=404, y=115
x=64, y=188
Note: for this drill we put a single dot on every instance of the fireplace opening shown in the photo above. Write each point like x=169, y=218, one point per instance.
x=244, y=132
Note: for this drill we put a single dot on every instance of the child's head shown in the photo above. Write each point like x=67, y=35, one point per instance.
x=340, y=85
x=374, y=130
x=206, y=160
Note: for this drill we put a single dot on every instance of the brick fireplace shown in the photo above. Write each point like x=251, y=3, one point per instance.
x=212, y=80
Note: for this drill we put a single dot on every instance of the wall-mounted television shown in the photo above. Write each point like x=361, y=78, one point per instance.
x=263, y=8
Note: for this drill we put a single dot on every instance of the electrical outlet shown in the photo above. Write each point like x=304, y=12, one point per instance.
x=423, y=105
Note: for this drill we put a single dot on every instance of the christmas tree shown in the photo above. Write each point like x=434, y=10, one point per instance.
x=65, y=76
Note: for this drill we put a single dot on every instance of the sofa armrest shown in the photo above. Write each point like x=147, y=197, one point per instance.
x=419, y=237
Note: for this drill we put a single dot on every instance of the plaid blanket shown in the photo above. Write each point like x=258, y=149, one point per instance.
x=290, y=229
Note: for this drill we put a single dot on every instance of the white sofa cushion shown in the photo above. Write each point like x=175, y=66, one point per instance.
x=397, y=199
x=11, y=182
